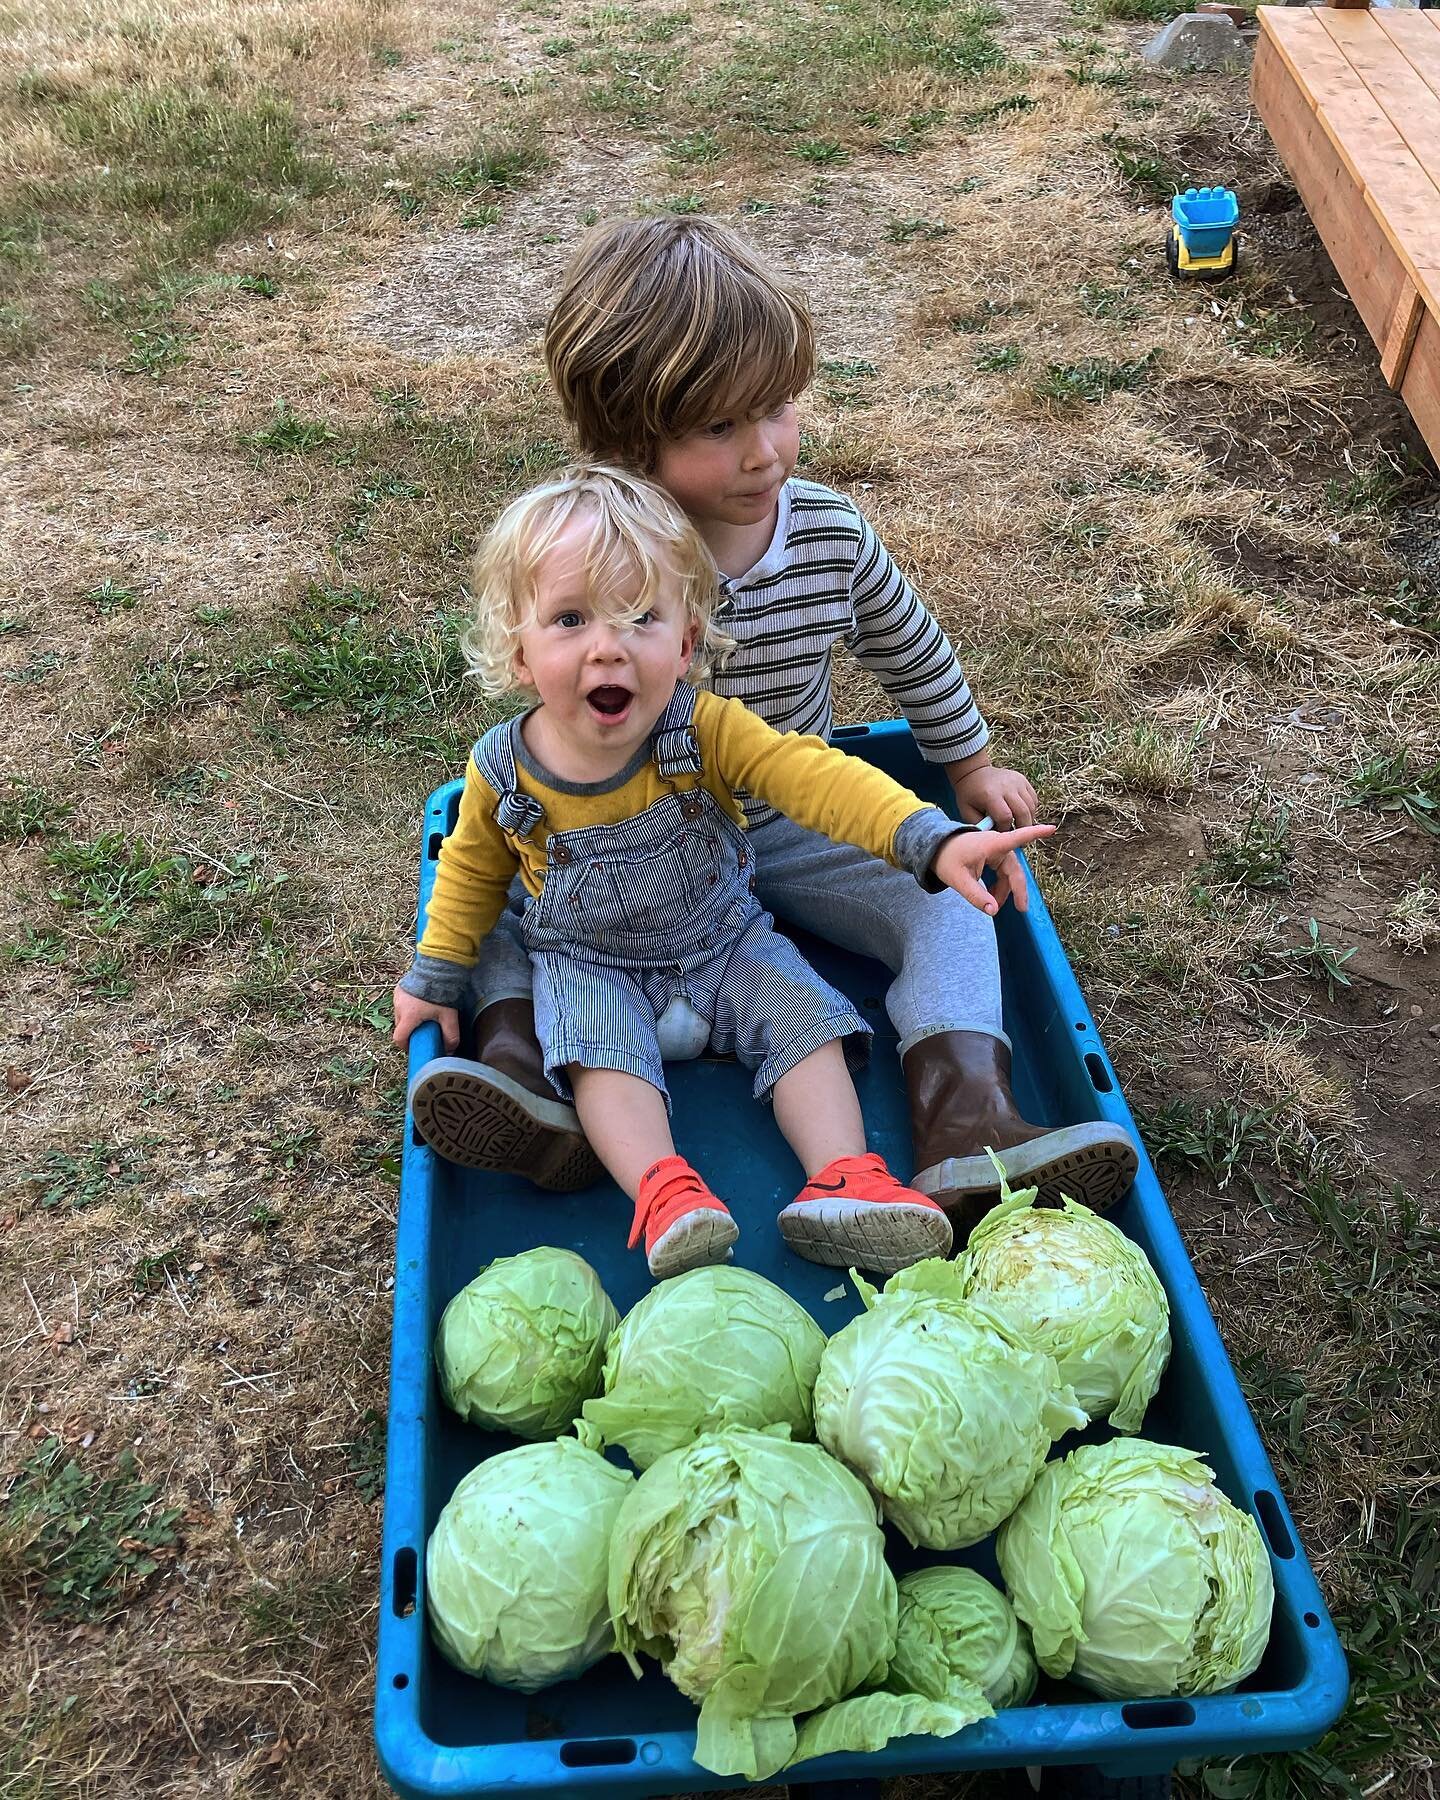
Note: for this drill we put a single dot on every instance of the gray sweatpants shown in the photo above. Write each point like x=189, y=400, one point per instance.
x=940, y=948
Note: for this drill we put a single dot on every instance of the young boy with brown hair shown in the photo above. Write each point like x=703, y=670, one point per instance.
x=676, y=352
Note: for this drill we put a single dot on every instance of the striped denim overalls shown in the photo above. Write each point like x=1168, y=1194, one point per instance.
x=647, y=940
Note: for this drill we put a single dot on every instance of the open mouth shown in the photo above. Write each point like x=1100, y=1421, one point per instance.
x=609, y=702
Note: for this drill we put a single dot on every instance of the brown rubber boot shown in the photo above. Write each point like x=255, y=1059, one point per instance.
x=498, y=1110
x=961, y=1105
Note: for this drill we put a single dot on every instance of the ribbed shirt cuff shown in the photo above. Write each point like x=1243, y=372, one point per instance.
x=435, y=981
x=918, y=841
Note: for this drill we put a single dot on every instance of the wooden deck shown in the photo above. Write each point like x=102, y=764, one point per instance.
x=1352, y=101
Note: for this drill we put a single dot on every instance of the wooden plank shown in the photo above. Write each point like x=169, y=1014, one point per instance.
x=1400, y=340
x=1398, y=191
x=1421, y=388
x=1417, y=35
x=1363, y=257
x=1411, y=106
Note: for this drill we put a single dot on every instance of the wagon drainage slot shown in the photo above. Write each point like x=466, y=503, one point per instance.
x=1272, y=1522
x=592, y=1753
x=1157, y=1715
x=406, y=1565
x=1099, y=1074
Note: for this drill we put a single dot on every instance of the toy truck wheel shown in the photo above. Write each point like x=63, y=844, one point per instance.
x=1172, y=253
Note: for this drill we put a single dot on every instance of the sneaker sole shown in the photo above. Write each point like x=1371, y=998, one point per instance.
x=1093, y=1163
x=693, y=1241
x=865, y=1234
x=481, y=1119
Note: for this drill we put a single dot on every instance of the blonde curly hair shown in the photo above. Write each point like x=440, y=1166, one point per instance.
x=635, y=529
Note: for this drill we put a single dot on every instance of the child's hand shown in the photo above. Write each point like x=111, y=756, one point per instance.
x=1002, y=794
x=964, y=857
x=410, y=1012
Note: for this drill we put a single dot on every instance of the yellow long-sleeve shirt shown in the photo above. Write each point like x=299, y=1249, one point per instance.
x=823, y=789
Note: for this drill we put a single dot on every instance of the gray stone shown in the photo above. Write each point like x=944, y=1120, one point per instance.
x=1197, y=41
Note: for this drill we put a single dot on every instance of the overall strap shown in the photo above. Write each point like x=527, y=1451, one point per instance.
x=517, y=813
x=677, y=749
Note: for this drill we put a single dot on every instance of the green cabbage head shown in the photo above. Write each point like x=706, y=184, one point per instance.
x=956, y=1629
x=941, y=1405
x=754, y=1569
x=1136, y=1575
x=515, y=1568
x=1081, y=1290
x=521, y=1346
x=712, y=1347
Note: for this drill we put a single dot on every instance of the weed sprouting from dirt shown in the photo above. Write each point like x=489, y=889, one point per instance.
x=79, y=1540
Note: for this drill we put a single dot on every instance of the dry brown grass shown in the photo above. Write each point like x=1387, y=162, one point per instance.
x=1168, y=607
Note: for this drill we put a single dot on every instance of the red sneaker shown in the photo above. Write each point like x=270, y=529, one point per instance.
x=685, y=1225
x=854, y=1213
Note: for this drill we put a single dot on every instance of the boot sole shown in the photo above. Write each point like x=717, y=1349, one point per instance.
x=865, y=1234
x=1093, y=1163
x=693, y=1241
x=482, y=1119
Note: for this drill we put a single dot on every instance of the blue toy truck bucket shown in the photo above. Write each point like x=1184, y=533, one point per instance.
x=1205, y=218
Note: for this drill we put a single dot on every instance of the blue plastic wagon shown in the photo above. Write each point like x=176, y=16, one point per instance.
x=440, y=1733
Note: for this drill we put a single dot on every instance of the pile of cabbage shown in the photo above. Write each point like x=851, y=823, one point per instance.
x=749, y=1560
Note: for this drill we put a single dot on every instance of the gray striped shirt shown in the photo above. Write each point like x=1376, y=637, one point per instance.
x=826, y=580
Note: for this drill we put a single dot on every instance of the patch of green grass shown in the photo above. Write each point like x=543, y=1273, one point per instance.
x=294, y=1149
x=378, y=679
x=288, y=434
x=557, y=46
x=12, y=625
x=83, y=1540
x=1005, y=107
x=479, y=218
x=1140, y=12
x=371, y=495
x=1145, y=170
x=1220, y=1141
x=1377, y=489
x=1090, y=381
x=111, y=597
x=41, y=666
x=34, y=946
x=1000, y=359
x=85, y=1177
x=906, y=231
x=154, y=352
x=287, y=1616
x=1092, y=74
x=365, y=1456
x=1415, y=607
x=844, y=381
x=185, y=166
x=1315, y=960
x=495, y=165
x=104, y=975
x=825, y=152
x=981, y=319
x=695, y=147
x=683, y=203
x=150, y=1272
x=166, y=901
x=1388, y=783
x=1257, y=856
x=1101, y=302
x=27, y=811
x=1267, y=331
